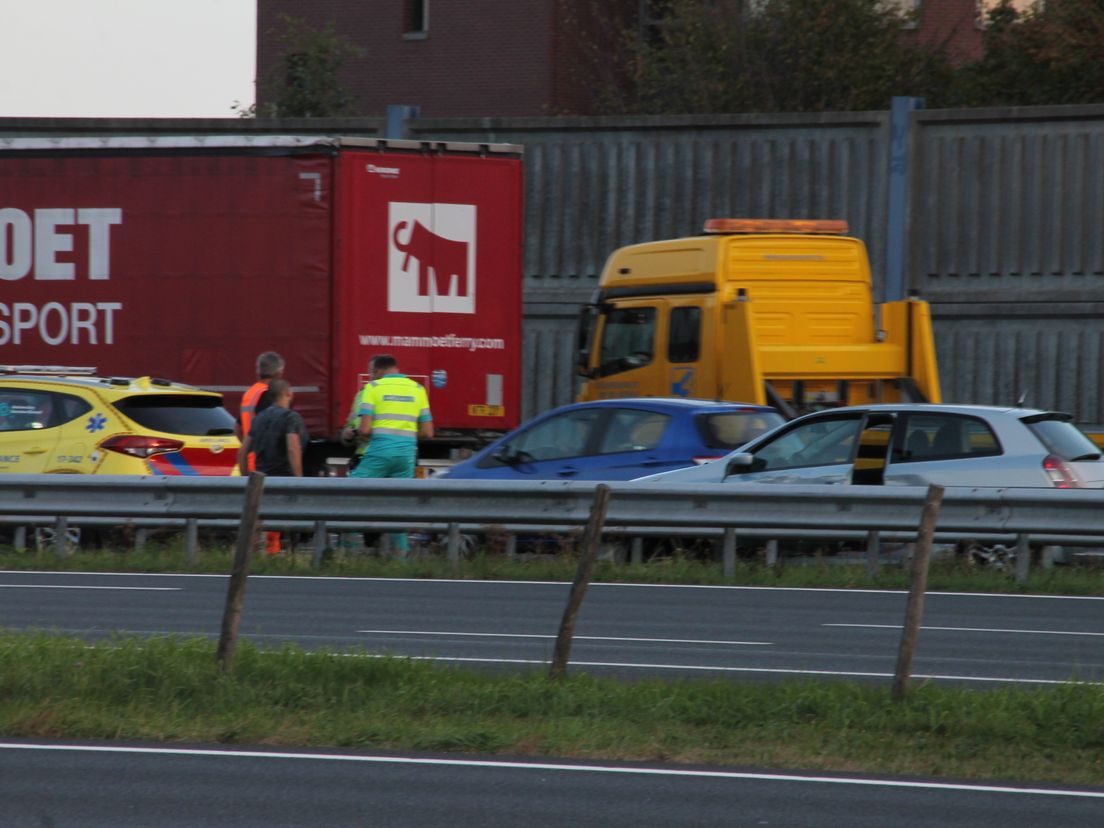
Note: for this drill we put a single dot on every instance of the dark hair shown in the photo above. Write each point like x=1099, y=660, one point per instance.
x=279, y=387
x=381, y=362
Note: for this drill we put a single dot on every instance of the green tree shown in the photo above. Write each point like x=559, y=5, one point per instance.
x=768, y=56
x=306, y=81
x=1053, y=53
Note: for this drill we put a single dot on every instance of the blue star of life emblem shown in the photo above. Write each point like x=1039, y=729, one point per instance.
x=95, y=423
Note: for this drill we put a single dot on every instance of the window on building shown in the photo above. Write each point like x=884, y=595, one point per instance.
x=986, y=6
x=909, y=9
x=651, y=15
x=416, y=19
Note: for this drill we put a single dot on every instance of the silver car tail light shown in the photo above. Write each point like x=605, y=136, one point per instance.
x=1060, y=473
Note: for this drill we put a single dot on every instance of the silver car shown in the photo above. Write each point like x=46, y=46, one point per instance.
x=913, y=445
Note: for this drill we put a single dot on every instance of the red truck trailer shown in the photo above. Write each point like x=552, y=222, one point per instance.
x=185, y=257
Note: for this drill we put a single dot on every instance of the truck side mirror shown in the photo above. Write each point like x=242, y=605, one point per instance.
x=739, y=464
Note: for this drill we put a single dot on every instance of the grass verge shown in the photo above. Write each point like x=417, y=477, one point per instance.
x=170, y=689
x=947, y=575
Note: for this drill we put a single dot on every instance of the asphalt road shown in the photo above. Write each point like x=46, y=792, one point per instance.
x=632, y=630
x=113, y=786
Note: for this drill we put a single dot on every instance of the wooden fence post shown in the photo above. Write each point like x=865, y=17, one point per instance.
x=587, y=555
x=914, y=610
x=239, y=573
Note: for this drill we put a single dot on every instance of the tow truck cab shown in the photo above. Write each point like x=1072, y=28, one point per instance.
x=776, y=312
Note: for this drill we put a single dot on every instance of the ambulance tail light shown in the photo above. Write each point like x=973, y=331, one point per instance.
x=832, y=227
x=139, y=446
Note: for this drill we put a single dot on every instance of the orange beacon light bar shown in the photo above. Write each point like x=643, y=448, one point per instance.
x=835, y=227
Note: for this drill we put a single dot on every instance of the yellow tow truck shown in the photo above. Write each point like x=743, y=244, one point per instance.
x=768, y=311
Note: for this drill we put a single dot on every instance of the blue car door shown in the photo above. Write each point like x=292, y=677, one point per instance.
x=629, y=444
x=550, y=448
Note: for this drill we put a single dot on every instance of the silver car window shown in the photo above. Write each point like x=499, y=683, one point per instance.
x=822, y=442
x=946, y=437
x=1064, y=439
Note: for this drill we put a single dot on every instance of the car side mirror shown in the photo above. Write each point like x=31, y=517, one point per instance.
x=739, y=464
x=504, y=457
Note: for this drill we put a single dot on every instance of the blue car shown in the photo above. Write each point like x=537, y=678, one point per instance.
x=618, y=440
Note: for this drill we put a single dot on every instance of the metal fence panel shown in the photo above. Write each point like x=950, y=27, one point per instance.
x=596, y=184
x=1007, y=205
x=1051, y=355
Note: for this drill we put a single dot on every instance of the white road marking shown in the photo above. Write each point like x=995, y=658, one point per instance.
x=555, y=766
x=704, y=668
x=577, y=637
x=593, y=585
x=970, y=629
x=82, y=586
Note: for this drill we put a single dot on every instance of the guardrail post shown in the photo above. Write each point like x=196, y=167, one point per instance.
x=453, y=548
x=191, y=539
x=319, y=542
x=1023, y=558
x=772, y=552
x=20, y=539
x=914, y=610
x=140, y=535
x=873, y=551
x=385, y=545
x=239, y=573
x=61, y=537
x=588, y=552
x=636, y=551
x=511, y=545
x=728, y=552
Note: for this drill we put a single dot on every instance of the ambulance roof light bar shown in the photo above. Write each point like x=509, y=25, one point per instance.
x=833, y=227
x=48, y=370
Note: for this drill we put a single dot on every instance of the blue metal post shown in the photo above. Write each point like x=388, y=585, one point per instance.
x=897, y=212
x=398, y=116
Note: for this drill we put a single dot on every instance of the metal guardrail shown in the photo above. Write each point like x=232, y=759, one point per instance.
x=1056, y=514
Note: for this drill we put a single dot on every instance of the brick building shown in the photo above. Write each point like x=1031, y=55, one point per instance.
x=503, y=58
x=452, y=58
x=953, y=25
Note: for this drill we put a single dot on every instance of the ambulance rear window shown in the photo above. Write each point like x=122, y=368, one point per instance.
x=191, y=414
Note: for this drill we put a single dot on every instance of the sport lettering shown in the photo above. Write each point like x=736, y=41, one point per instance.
x=58, y=323
x=35, y=243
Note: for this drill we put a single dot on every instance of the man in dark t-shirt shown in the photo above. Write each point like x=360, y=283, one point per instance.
x=277, y=436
